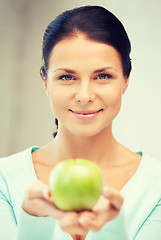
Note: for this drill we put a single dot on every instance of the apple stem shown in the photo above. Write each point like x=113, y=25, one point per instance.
x=78, y=237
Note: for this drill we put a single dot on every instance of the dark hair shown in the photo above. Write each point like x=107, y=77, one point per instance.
x=96, y=23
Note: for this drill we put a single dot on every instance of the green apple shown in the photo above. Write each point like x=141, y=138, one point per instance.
x=75, y=184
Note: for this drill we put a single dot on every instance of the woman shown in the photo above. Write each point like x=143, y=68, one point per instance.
x=86, y=54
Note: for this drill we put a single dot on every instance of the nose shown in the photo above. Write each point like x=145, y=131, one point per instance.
x=85, y=93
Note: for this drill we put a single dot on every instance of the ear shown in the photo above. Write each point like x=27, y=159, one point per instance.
x=45, y=85
x=125, y=85
x=43, y=73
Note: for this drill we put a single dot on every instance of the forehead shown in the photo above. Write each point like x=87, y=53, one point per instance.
x=74, y=51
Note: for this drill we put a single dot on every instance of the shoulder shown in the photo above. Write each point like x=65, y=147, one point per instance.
x=142, y=194
x=15, y=170
x=151, y=167
x=14, y=162
x=148, y=176
x=144, y=188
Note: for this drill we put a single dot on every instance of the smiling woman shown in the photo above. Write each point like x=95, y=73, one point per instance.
x=85, y=72
x=93, y=90
x=64, y=27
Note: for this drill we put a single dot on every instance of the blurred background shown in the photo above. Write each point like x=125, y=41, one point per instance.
x=25, y=115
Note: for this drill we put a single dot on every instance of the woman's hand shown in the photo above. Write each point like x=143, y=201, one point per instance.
x=38, y=202
x=107, y=208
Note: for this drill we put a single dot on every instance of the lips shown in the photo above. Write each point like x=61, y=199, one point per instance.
x=86, y=115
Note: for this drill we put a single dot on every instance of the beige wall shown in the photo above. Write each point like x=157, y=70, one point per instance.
x=25, y=115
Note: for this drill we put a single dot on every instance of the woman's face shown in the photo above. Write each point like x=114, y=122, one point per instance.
x=85, y=84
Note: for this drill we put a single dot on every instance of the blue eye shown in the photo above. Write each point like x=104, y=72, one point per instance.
x=66, y=77
x=103, y=76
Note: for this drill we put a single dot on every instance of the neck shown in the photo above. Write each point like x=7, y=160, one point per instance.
x=100, y=148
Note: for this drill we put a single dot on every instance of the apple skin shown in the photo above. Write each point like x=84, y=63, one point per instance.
x=75, y=184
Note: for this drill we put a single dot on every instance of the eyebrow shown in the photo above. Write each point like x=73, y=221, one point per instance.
x=104, y=69
x=65, y=69
x=96, y=71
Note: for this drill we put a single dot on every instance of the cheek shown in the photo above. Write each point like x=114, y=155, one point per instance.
x=113, y=97
x=58, y=100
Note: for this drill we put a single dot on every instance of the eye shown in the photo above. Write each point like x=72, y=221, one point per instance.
x=103, y=76
x=67, y=77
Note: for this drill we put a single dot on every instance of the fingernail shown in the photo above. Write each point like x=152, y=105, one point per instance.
x=81, y=221
x=107, y=192
x=45, y=193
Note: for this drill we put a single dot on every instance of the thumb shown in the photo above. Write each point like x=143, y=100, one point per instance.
x=114, y=197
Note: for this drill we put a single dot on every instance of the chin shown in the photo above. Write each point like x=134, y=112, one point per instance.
x=86, y=132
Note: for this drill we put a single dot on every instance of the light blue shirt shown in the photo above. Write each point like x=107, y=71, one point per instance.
x=139, y=219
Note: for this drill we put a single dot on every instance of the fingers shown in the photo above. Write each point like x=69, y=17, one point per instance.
x=107, y=208
x=89, y=220
x=37, y=207
x=70, y=224
x=38, y=201
x=37, y=189
x=114, y=197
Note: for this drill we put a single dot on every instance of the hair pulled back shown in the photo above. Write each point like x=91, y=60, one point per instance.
x=96, y=23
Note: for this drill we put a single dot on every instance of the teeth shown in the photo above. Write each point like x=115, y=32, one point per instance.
x=90, y=113
x=87, y=113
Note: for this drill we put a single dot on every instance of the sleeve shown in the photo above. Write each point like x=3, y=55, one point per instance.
x=151, y=228
x=117, y=230
x=114, y=229
x=35, y=228
x=27, y=226
x=7, y=219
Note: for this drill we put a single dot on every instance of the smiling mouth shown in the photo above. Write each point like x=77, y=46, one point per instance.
x=85, y=115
